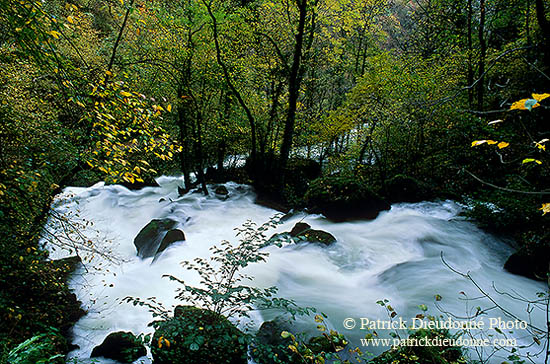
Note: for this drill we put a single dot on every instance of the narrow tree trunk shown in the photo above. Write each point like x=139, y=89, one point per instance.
x=470, y=61
x=293, y=88
x=482, y=52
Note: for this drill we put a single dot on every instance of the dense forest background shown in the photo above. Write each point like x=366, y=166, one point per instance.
x=326, y=100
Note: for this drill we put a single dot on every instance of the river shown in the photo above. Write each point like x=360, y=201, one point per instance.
x=397, y=256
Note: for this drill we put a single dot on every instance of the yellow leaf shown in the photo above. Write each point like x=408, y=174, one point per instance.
x=490, y=142
x=70, y=19
x=169, y=108
x=529, y=160
x=540, y=97
x=478, y=142
x=519, y=105
x=54, y=34
x=502, y=145
x=545, y=208
x=125, y=94
x=108, y=73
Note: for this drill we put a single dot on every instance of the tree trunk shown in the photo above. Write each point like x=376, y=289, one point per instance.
x=470, y=61
x=293, y=88
x=482, y=52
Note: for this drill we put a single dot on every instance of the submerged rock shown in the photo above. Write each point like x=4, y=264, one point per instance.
x=120, y=346
x=156, y=236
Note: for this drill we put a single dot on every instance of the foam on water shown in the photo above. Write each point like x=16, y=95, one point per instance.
x=396, y=257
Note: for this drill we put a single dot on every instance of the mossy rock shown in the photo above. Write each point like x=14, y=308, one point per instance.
x=401, y=188
x=120, y=346
x=303, y=232
x=197, y=336
x=342, y=198
x=47, y=348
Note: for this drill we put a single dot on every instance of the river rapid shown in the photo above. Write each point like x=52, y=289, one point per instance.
x=397, y=256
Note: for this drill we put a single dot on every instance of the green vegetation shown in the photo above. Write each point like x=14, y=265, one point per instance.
x=333, y=103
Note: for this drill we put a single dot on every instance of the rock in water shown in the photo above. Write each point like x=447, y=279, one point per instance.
x=303, y=232
x=317, y=236
x=221, y=191
x=120, y=346
x=181, y=191
x=299, y=228
x=156, y=236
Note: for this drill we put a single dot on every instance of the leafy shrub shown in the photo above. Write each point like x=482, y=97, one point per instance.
x=196, y=336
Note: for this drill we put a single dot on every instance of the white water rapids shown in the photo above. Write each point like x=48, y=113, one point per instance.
x=396, y=257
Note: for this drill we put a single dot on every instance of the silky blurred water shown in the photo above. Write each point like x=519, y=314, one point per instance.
x=397, y=257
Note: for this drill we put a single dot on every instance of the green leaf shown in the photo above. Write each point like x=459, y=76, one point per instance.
x=194, y=346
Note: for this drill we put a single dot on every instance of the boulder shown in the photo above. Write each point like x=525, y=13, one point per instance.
x=120, y=346
x=342, y=198
x=156, y=236
x=401, y=188
x=299, y=228
x=317, y=236
x=532, y=262
x=303, y=232
x=221, y=192
x=198, y=336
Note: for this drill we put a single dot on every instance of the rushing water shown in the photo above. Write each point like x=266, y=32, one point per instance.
x=396, y=257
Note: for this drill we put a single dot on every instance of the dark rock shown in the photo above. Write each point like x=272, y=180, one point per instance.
x=317, y=236
x=120, y=346
x=299, y=228
x=303, y=232
x=197, y=336
x=181, y=191
x=402, y=188
x=532, y=262
x=221, y=190
x=162, y=200
x=342, y=198
x=156, y=236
